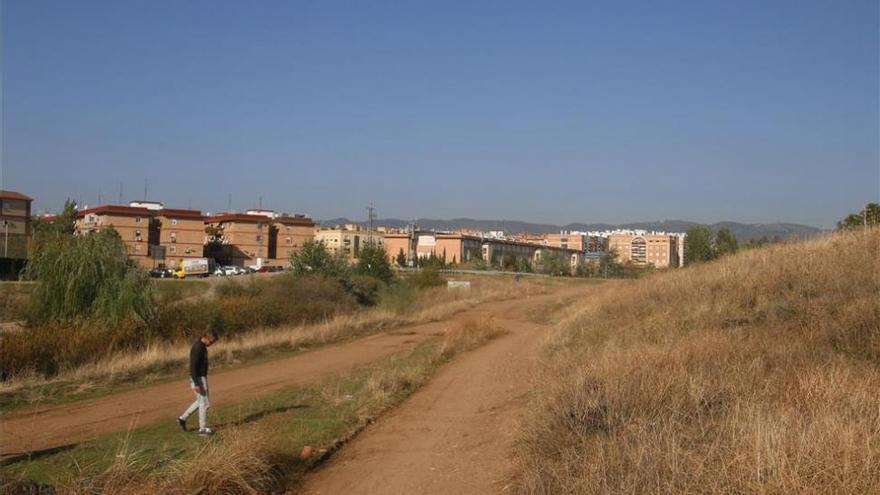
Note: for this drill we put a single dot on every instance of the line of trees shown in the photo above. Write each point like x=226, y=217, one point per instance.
x=701, y=244
x=868, y=217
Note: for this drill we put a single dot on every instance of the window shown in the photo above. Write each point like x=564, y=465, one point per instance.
x=288, y=240
x=172, y=249
x=173, y=221
x=137, y=236
x=638, y=250
x=259, y=238
x=137, y=247
x=137, y=219
x=174, y=237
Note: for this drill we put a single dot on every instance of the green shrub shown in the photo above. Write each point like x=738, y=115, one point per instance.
x=87, y=278
x=365, y=289
x=373, y=261
x=313, y=258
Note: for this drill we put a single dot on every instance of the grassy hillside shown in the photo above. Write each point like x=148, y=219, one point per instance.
x=757, y=373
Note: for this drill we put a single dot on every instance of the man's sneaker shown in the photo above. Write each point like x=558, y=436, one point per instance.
x=206, y=432
x=182, y=423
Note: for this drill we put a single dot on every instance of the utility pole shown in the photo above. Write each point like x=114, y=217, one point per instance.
x=370, y=215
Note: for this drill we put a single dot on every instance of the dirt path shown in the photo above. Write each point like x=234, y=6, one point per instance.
x=452, y=436
x=51, y=427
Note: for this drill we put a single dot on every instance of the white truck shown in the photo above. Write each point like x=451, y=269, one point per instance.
x=195, y=267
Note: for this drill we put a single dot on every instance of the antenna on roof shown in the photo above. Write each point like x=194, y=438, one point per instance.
x=99, y=195
x=229, y=204
x=261, y=202
x=145, y=189
x=120, y=193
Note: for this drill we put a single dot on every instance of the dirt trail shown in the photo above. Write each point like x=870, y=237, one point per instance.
x=452, y=436
x=51, y=427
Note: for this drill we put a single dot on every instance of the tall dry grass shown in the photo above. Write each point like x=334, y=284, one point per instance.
x=249, y=460
x=241, y=464
x=757, y=373
x=159, y=359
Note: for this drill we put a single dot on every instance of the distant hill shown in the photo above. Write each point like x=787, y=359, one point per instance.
x=743, y=231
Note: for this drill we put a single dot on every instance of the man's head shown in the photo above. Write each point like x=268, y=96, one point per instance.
x=209, y=338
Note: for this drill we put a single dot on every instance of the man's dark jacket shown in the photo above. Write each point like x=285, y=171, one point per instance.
x=198, y=361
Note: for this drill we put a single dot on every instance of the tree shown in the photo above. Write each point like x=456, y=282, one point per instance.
x=401, y=258
x=556, y=264
x=62, y=224
x=868, y=217
x=313, y=258
x=725, y=242
x=698, y=245
x=87, y=278
x=609, y=266
x=373, y=261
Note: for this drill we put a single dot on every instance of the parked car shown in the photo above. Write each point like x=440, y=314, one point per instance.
x=161, y=273
x=229, y=270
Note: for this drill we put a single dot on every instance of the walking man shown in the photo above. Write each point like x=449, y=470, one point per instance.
x=198, y=370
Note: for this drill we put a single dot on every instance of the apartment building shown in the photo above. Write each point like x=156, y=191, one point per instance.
x=290, y=232
x=348, y=239
x=257, y=239
x=15, y=218
x=578, y=241
x=181, y=236
x=660, y=250
x=458, y=248
x=154, y=236
x=136, y=226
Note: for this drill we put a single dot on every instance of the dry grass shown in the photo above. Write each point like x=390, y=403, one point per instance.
x=251, y=460
x=754, y=374
x=240, y=464
x=157, y=360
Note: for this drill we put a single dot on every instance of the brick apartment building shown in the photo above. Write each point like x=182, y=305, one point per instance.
x=154, y=236
x=257, y=239
x=15, y=220
x=660, y=250
x=181, y=234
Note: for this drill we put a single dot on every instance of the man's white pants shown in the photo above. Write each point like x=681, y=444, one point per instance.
x=201, y=403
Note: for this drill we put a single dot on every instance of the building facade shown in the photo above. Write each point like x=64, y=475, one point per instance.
x=257, y=239
x=578, y=241
x=457, y=248
x=181, y=236
x=660, y=250
x=136, y=226
x=15, y=217
x=349, y=239
x=153, y=236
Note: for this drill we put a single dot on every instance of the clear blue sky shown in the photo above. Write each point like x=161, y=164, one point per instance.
x=614, y=111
